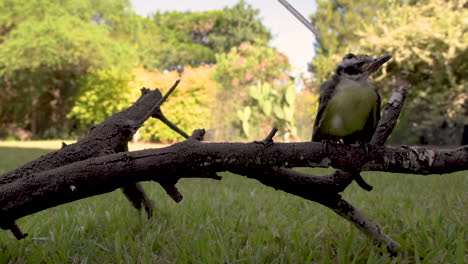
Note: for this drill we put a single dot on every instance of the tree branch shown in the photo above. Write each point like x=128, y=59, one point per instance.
x=110, y=136
x=39, y=185
x=104, y=174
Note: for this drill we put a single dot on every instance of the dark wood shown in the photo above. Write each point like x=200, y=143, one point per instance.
x=100, y=163
x=104, y=174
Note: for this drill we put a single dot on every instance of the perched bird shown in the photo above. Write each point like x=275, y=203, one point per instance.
x=349, y=104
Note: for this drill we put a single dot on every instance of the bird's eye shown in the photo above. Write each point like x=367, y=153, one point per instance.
x=349, y=56
x=351, y=70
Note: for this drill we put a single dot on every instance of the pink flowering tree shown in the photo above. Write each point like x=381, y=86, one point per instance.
x=250, y=63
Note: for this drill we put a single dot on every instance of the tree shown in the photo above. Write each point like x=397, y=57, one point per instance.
x=220, y=30
x=191, y=104
x=44, y=49
x=339, y=22
x=102, y=93
x=267, y=105
x=237, y=25
x=193, y=38
x=255, y=77
x=162, y=47
x=428, y=42
x=78, y=171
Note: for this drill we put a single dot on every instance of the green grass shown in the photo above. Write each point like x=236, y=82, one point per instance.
x=238, y=220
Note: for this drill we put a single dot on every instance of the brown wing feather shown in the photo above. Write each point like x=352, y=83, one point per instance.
x=327, y=89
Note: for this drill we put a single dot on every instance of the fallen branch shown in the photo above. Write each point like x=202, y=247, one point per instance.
x=104, y=174
x=110, y=136
x=26, y=191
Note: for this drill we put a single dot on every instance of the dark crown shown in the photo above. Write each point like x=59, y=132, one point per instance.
x=352, y=64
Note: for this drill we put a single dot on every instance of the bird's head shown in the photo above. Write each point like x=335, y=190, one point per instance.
x=359, y=67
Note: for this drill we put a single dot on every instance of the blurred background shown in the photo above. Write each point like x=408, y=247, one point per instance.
x=245, y=66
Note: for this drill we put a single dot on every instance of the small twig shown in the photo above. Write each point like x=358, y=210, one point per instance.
x=173, y=192
x=197, y=134
x=160, y=102
x=271, y=135
x=268, y=141
x=17, y=232
x=363, y=223
x=159, y=115
x=391, y=113
x=164, y=98
x=14, y=228
x=361, y=182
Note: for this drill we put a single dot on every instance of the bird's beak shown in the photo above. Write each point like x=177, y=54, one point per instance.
x=377, y=63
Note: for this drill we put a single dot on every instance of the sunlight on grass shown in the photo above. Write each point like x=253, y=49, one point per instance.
x=238, y=220
x=57, y=144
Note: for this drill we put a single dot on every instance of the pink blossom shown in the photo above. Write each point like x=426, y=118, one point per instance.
x=234, y=82
x=242, y=46
x=240, y=62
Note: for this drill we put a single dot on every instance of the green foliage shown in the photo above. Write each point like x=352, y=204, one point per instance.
x=250, y=63
x=45, y=46
x=193, y=38
x=189, y=106
x=219, y=30
x=160, y=47
x=305, y=112
x=102, y=94
x=339, y=23
x=237, y=72
x=429, y=44
x=53, y=53
x=60, y=42
x=266, y=107
x=239, y=220
x=237, y=25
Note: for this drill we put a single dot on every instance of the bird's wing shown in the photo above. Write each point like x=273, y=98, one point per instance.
x=326, y=92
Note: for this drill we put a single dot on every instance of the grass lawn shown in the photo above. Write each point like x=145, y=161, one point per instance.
x=238, y=220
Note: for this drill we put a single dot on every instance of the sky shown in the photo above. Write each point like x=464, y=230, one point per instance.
x=289, y=35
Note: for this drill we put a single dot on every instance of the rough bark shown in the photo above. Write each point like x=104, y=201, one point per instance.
x=109, y=137
x=39, y=185
x=192, y=158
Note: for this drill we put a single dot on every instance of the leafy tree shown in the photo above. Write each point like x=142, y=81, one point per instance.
x=45, y=46
x=161, y=47
x=238, y=72
x=339, y=22
x=429, y=43
x=251, y=63
x=193, y=38
x=237, y=25
x=103, y=93
x=305, y=112
x=268, y=106
x=189, y=106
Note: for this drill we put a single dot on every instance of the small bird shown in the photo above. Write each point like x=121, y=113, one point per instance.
x=349, y=104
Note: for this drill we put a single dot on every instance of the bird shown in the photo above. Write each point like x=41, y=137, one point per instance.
x=349, y=104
